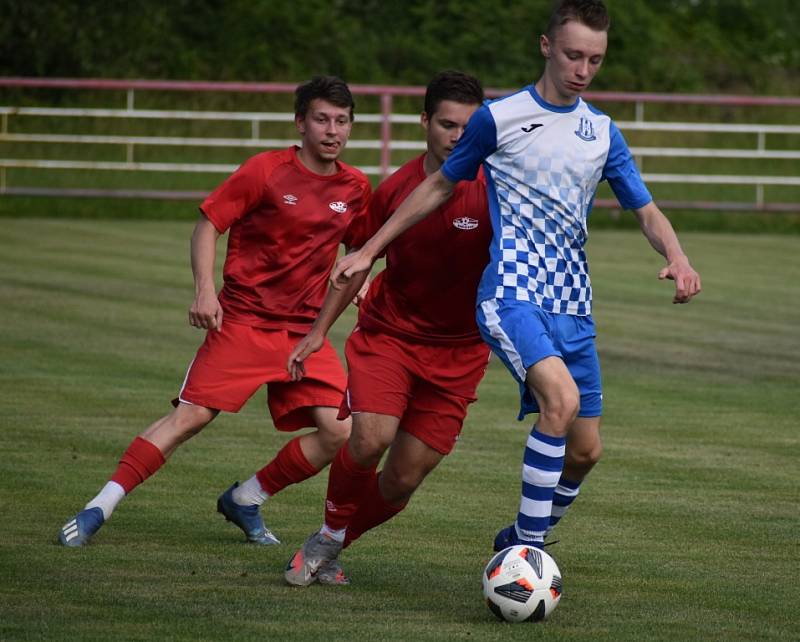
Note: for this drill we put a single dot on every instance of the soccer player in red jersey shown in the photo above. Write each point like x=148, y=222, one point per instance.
x=416, y=357
x=285, y=213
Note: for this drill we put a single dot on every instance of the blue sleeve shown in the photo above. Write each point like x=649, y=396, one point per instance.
x=478, y=142
x=622, y=174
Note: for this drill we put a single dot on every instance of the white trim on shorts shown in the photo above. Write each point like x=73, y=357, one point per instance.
x=489, y=308
x=183, y=385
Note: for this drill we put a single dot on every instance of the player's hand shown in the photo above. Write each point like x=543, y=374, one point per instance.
x=206, y=312
x=349, y=265
x=687, y=281
x=361, y=294
x=308, y=345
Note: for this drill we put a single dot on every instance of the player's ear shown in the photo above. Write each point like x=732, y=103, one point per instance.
x=424, y=120
x=300, y=123
x=544, y=45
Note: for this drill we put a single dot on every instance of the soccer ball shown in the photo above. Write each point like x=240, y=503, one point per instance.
x=522, y=584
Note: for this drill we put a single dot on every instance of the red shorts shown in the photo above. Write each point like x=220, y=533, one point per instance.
x=427, y=386
x=233, y=363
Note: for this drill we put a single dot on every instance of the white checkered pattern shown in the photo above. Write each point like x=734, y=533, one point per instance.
x=545, y=181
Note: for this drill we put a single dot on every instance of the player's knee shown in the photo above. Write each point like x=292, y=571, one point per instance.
x=334, y=434
x=177, y=427
x=398, y=486
x=560, y=411
x=585, y=459
x=365, y=448
x=188, y=420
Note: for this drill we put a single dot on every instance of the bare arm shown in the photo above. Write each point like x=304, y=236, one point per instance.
x=658, y=230
x=336, y=300
x=428, y=195
x=206, y=311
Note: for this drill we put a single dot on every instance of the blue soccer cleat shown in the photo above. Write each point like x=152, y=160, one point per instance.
x=508, y=537
x=245, y=517
x=505, y=537
x=77, y=531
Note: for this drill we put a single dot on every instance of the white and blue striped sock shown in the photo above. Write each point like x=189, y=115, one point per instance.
x=566, y=492
x=541, y=470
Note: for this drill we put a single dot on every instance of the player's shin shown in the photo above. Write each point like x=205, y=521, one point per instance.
x=347, y=485
x=289, y=466
x=373, y=511
x=566, y=492
x=141, y=460
x=541, y=469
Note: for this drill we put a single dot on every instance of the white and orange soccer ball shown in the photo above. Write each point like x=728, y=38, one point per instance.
x=522, y=584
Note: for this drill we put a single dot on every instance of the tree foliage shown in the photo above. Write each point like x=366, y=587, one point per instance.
x=748, y=46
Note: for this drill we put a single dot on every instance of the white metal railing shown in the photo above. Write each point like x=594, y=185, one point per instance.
x=385, y=144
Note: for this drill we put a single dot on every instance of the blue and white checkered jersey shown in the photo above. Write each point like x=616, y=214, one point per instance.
x=543, y=164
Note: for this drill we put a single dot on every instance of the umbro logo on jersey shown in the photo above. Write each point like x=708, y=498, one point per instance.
x=585, y=130
x=339, y=207
x=465, y=223
x=531, y=127
x=290, y=199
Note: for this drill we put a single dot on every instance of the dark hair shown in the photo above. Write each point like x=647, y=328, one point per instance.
x=592, y=13
x=452, y=85
x=329, y=88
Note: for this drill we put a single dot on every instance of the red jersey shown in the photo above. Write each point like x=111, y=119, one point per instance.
x=428, y=290
x=285, y=224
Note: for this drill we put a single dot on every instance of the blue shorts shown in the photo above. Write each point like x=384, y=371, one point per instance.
x=522, y=334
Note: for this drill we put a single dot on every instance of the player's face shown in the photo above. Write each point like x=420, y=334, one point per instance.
x=573, y=57
x=444, y=128
x=325, y=130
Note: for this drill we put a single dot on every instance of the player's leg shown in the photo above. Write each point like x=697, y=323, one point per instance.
x=445, y=384
x=575, y=338
x=584, y=449
x=143, y=457
x=520, y=333
x=312, y=402
x=301, y=458
x=557, y=396
x=378, y=390
x=351, y=470
x=408, y=463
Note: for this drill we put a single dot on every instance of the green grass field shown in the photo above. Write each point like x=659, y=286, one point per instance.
x=687, y=529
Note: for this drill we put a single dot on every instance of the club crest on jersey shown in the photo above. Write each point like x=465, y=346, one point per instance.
x=585, y=130
x=465, y=223
x=339, y=207
x=290, y=199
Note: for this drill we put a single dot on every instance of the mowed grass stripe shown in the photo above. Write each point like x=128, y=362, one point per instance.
x=686, y=530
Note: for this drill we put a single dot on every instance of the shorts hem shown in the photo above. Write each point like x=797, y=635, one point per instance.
x=205, y=403
x=444, y=451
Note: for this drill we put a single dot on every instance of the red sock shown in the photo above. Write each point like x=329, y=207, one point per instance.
x=290, y=466
x=141, y=460
x=347, y=483
x=373, y=511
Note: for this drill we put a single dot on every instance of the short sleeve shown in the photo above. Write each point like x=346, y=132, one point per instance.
x=241, y=192
x=622, y=174
x=478, y=142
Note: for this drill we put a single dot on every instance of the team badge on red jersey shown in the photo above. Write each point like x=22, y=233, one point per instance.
x=339, y=207
x=465, y=223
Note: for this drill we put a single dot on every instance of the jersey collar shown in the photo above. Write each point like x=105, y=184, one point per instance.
x=561, y=109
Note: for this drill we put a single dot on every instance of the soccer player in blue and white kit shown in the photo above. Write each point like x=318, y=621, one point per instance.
x=544, y=151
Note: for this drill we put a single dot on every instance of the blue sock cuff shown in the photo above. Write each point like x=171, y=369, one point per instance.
x=548, y=439
x=568, y=483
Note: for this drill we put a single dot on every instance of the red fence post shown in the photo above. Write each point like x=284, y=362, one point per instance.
x=386, y=134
